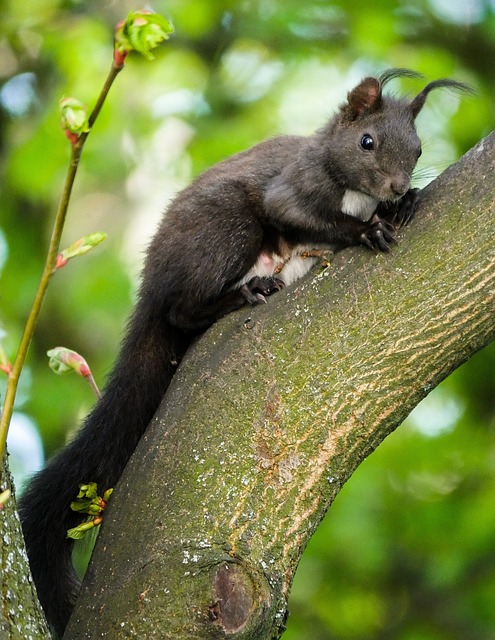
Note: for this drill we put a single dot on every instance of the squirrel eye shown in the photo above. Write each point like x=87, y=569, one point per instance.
x=367, y=142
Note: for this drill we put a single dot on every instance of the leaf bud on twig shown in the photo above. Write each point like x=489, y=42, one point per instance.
x=141, y=31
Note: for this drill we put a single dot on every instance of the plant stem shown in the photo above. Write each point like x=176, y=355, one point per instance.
x=49, y=269
x=93, y=385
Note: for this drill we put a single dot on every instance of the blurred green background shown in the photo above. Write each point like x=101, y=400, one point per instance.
x=407, y=552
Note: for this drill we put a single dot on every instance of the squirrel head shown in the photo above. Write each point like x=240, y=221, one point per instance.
x=372, y=143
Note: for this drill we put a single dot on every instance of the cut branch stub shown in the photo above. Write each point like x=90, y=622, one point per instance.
x=239, y=601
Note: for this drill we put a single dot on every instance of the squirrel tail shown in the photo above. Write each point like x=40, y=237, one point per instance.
x=148, y=359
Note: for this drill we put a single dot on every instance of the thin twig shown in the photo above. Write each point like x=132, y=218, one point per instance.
x=49, y=269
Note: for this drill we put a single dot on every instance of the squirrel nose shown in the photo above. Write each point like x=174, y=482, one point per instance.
x=399, y=186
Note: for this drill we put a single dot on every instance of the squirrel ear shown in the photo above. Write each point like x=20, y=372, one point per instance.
x=367, y=96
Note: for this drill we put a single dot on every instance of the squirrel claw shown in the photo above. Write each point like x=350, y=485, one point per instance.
x=250, y=296
x=406, y=208
x=265, y=285
x=379, y=234
x=257, y=288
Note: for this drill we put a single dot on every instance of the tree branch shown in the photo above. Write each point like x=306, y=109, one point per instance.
x=272, y=411
x=22, y=615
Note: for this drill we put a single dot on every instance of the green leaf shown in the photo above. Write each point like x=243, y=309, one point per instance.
x=80, y=531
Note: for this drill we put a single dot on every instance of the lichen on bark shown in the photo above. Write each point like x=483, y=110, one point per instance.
x=22, y=617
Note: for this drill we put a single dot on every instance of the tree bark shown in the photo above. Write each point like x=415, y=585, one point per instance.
x=21, y=616
x=274, y=408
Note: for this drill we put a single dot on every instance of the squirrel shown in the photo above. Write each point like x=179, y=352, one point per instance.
x=235, y=235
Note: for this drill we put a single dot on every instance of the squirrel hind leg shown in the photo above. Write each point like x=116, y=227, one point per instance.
x=253, y=292
x=258, y=288
x=198, y=318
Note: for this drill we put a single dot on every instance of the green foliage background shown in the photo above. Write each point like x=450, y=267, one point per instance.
x=408, y=550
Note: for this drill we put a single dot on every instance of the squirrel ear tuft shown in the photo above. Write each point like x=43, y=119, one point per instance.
x=419, y=101
x=367, y=96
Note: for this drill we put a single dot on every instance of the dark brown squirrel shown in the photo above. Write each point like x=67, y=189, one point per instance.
x=235, y=235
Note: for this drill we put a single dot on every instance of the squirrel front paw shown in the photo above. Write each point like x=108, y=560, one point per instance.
x=407, y=207
x=402, y=211
x=380, y=234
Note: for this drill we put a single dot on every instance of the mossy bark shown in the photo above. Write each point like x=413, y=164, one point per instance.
x=272, y=411
x=21, y=616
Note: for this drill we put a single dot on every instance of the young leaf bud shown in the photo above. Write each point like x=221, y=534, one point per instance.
x=88, y=501
x=79, y=247
x=141, y=31
x=74, y=118
x=5, y=364
x=64, y=360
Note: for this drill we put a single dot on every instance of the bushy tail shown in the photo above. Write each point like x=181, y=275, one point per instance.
x=147, y=361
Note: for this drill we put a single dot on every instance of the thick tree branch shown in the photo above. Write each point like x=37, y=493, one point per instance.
x=21, y=616
x=272, y=411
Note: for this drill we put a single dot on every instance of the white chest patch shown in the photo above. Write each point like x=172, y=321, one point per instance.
x=358, y=204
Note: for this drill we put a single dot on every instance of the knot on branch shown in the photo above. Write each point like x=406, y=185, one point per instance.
x=241, y=600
